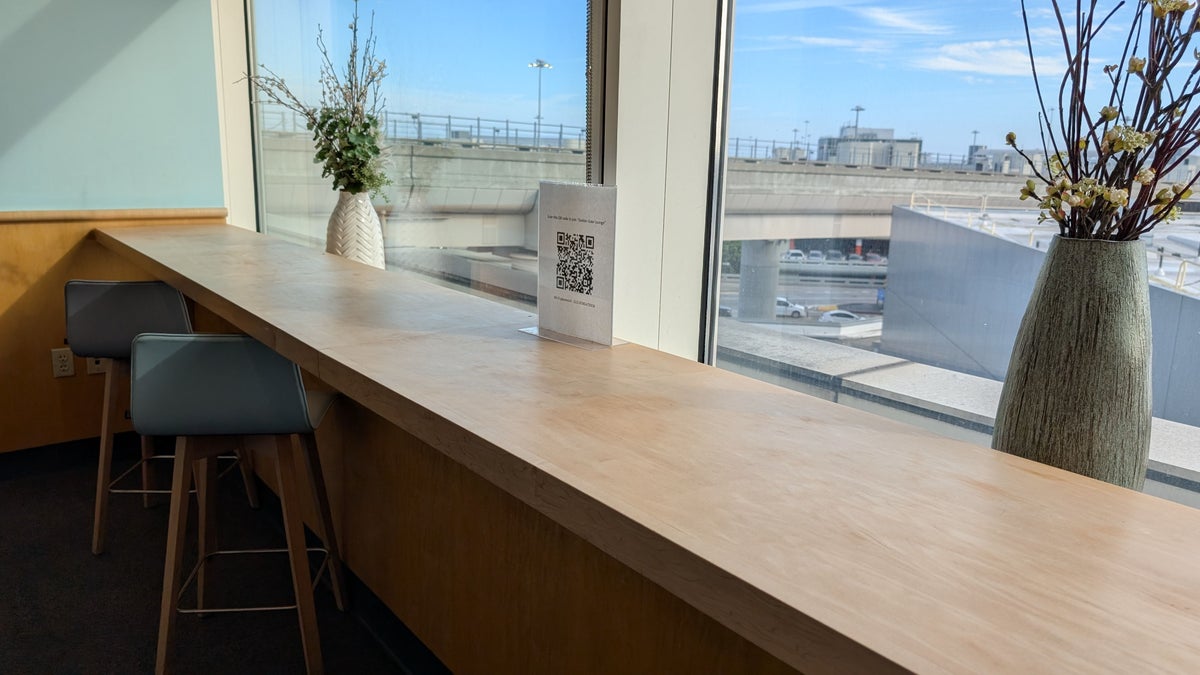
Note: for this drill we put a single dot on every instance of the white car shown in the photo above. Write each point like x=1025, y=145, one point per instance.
x=839, y=316
x=784, y=307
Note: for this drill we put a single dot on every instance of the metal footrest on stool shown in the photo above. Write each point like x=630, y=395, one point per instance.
x=191, y=578
x=249, y=390
x=141, y=491
x=137, y=491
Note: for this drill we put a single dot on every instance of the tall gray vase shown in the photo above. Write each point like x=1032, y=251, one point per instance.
x=1077, y=395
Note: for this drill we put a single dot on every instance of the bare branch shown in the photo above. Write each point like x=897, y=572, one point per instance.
x=346, y=123
x=1106, y=162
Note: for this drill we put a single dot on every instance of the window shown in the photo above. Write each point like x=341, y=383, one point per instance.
x=483, y=101
x=871, y=140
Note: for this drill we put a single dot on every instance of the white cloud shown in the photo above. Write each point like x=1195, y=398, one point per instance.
x=1044, y=13
x=788, y=6
x=987, y=57
x=783, y=42
x=975, y=81
x=1045, y=35
x=910, y=22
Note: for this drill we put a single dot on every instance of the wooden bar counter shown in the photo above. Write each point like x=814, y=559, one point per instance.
x=527, y=506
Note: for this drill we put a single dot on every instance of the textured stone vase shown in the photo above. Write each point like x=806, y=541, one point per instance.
x=1077, y=395
x=354, y=230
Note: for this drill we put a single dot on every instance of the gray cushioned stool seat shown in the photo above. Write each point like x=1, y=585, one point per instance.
x=217, y=385
x=102, y=318
x=203, y=389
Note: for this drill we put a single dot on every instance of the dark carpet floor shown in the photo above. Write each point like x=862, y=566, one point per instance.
x=63, y=610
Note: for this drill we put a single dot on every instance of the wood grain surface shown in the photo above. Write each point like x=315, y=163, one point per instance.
x=832, y=539
x=111, y=216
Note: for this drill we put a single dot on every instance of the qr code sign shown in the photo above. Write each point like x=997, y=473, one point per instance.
x=573, y=271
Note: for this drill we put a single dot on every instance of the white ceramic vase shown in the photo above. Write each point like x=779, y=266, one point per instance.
x=354, y=230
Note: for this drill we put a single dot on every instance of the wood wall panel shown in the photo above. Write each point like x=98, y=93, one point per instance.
x=493, y=586
x=38, y=254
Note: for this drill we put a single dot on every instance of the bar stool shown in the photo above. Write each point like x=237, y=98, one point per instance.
x=102, y=319
x=205, y=389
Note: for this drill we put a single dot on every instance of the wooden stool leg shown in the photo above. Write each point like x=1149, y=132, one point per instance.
x=324, y=518
x=293, y=526
x=176, y=525
x=245, y=459
x=205, y=471
x=117, y=370
x=147, y=470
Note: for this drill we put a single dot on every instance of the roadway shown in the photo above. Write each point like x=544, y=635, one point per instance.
x=809, y=292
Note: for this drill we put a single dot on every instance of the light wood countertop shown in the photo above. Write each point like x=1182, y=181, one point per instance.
x=836, y=540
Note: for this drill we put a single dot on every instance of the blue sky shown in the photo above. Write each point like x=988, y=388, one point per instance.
x=935, y=69
x=939, y=70
x=445, y=57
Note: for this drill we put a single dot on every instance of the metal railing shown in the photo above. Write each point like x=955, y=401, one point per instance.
x=940, y=160
x=766, y=149
x=447, y=129
x=928, y=201
x=488, y=132
x=757, y=148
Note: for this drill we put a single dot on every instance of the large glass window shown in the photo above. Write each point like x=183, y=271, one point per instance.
x=875, y=251
x=483, y=101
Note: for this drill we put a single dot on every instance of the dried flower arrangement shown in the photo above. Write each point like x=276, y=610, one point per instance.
x=346, y=124
x=1109, y=146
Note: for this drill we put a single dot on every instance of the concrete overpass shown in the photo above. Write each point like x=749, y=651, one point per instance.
x=469, y=194
x=816, y=200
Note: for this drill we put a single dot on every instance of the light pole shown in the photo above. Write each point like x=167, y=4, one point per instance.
x=857, y=109
x=792, y=154
x=537, y=128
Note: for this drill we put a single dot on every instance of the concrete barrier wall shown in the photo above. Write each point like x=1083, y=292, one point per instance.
x=444, y=181
x=956, y=295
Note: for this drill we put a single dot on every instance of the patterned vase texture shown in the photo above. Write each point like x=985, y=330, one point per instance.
x=354, y=230
x=1077, y=395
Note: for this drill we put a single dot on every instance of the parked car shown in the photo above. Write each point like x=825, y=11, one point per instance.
x=839, y=316
x=854, y=257
x=835, y=256
x=793, y=256
x=815, y=256
x=875, y=258
x=784, y=307
x=724, y=310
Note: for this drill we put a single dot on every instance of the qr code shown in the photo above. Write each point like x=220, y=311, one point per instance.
x=573, y=271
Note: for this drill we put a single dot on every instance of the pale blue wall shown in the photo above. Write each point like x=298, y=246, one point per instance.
x=107, y=105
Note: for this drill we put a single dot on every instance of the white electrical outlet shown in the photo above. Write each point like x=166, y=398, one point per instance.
x=96, y=366
x=62, y=361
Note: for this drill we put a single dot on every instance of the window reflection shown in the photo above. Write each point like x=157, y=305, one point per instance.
x=868, y=186
x=470, y=129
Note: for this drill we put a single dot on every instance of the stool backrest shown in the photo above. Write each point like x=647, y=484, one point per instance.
x=104, y=316
x=214, y=385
